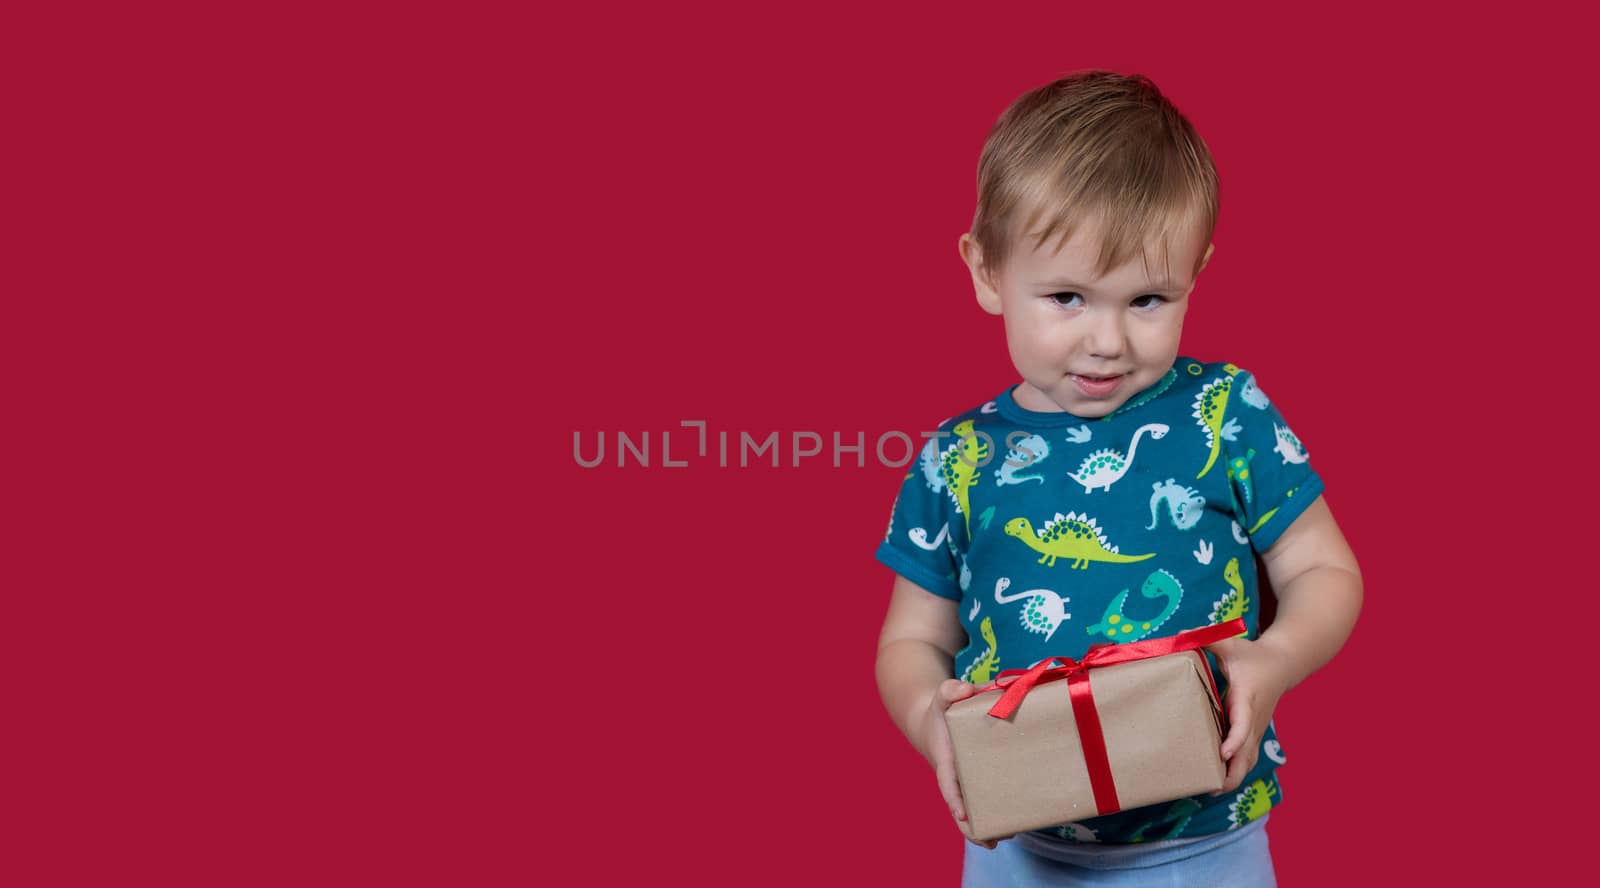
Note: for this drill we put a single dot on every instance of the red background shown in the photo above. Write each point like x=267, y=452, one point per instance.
x=309, y=306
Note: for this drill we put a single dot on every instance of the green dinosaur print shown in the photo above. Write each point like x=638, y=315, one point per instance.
x=1273, y=511
x=1252, y=802
x=987, y=665
x=1239, y=470
x=1118, y=626
x=1233, y=603
x=1210, y=405
x=1069, y=536
x=959, y=468
x=1177, y=814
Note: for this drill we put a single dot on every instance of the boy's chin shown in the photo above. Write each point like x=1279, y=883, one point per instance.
x=1075, y=403
x=1097, y=409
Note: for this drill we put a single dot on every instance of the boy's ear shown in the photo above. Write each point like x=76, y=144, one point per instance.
x=1206, y=258
x=988, y=297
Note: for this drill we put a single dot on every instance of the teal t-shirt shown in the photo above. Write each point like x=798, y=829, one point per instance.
x=1054, y=532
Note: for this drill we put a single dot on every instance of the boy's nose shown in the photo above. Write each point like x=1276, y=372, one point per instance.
x=1106, y=338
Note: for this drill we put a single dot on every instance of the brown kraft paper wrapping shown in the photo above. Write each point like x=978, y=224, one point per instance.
x=1163, y=731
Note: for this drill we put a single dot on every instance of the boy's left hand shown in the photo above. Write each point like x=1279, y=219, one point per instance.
x=1257, y=677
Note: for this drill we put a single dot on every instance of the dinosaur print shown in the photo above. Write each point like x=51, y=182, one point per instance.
x=1079, y=435
x=1233, y=603
x=1289, y=446
x=1252, y=802
x=1104, y=468
x=983, y=669
x=1251, y=394
x=1177, y=814
x=1274, y=749
x=929, y=462
x=1210, y=405
x=959, y=468
x=1239, y=470
x=1073, y=536
x=919, y=536
x=1117, y=626
x=1076, y=832
x=1029, y=451
x=1184, y=503
x=1044, y=611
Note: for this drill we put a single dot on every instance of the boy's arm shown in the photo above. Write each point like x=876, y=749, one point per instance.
x=1318, y=585
x=1319, y=594
x=916, y=652
x=916, y=662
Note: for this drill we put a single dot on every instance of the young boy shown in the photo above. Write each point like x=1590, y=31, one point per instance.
x=1119, y=491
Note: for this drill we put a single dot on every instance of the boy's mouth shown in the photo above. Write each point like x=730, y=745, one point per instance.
x=1096, y=385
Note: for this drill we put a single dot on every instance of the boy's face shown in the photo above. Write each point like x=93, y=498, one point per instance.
x=1087, y=344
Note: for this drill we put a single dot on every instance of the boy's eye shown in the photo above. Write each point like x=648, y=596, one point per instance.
x=1147, y=301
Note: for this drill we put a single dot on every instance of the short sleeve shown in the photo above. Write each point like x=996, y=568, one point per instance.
x=919, y=544
x=1269, y=470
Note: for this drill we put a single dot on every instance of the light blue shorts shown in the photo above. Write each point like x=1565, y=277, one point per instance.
x=1237, y=858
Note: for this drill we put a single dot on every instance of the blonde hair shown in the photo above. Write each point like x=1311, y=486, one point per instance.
x=1092, y=147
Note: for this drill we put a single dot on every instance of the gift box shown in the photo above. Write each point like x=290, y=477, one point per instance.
x=1128, y=725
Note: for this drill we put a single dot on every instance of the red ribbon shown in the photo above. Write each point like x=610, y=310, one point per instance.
x=1076, y=672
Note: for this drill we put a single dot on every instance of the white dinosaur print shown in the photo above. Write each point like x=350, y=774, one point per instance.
x=1184, y=503
x=1274, y=751
x=1104, y=468
x=1030, y=451
x=1239, y=535
x=929, y=463
x=1044, y=611
x=976, y=604
x=920, y=537
x=1079, y=435
x=1203, y=554
x=1076, y=832
x=1289, y=446
x=988, y=407
x=1253, y=395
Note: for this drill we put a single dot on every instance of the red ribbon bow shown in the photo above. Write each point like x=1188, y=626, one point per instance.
x=1076, y=672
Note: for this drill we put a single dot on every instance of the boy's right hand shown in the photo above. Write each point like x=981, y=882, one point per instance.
x=941, y=753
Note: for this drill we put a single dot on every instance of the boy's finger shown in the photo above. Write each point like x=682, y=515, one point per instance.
x=1239, y=726
x=1238, y=767
x=961, y=690
x=949, y=787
